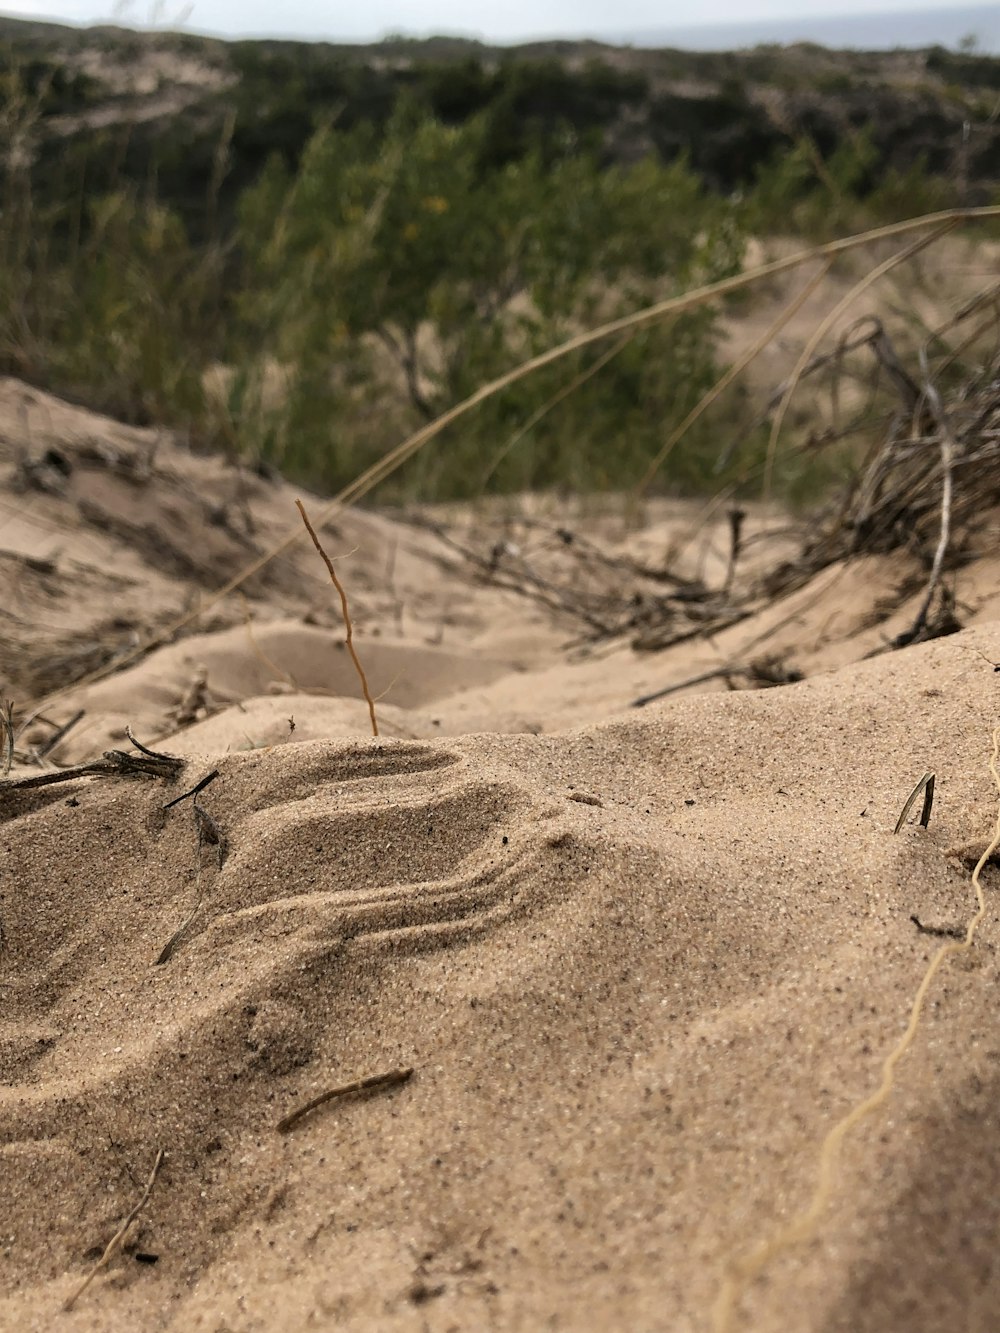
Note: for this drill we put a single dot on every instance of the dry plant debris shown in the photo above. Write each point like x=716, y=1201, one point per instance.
x=113, y=763
x=209, y=833
x=116, y=1241
x=7, y=722
x=346, y=613
x=934, y=223
x=926, y=438
x=925, y=785
x=374, y=1081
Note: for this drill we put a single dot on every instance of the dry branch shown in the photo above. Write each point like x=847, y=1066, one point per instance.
x=113, y=763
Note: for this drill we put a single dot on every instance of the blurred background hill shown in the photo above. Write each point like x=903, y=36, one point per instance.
x=298, y=252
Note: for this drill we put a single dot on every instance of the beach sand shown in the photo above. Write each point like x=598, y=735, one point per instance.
x=640, y=961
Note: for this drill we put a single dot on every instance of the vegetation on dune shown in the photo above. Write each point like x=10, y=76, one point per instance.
x=413, y=263
x=333, y=251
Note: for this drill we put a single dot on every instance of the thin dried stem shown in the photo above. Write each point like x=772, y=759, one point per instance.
x=258, y=652
x=887, y=265
x=733, y=373
x=554, y=401
x=346, y=613
x=7, y=722
x=925, y=785
x=115, y=1243
x=948, y=452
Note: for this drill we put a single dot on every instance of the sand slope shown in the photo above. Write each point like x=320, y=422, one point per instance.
x=640, y=962
x=630, y=1022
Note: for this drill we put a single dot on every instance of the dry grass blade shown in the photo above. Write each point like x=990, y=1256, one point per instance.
x=732, y=374
x=59, y=735
x=925, y=785
x=115, y=1243
x=828, y=323
x=208, y=831
x=347, y=616
x=554, y=402
x=7, y=722
x=258, y=651
x=743, y=1271
x=949, y=449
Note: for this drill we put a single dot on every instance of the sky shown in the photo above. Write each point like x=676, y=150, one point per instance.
x=515, y=19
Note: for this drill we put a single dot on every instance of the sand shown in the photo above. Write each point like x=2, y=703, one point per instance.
x=640, y=961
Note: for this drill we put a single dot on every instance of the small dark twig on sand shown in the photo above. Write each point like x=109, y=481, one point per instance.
x=59, y=735
x=193, y=791
x=764, y=672
x=387, y=1080
x=942, y=932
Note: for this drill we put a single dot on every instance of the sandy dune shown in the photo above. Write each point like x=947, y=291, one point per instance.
x=640, y=961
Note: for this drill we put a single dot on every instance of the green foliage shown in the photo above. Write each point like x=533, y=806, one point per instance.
x=723, y=135
x=425, y=221
x=114, y=322
x=104, y=299
x=52, y=86
x=964, y=66
x=414, y=262
x=801, y=192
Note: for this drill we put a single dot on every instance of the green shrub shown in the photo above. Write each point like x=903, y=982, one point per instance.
x=416, y=254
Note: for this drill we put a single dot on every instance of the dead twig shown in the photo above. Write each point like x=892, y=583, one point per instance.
x=59, y=735
x=943, y=932
x=199, y=786
x=716, y=673
x=387, y=1080
x=167, y=952
x=113, y=763
x=346, y=613
x=736, y=518
x=763, y=672
x=158, y=755
x=115, y=1243
x=193, y=703
x=209, y=832
x=258, y=651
